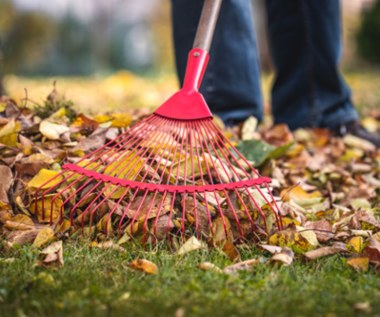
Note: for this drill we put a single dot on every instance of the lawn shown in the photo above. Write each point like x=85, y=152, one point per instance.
x=96, y=282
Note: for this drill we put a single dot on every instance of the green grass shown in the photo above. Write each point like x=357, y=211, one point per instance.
x=92, y=283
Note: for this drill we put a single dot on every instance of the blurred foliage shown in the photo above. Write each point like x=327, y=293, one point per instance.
x=23, y=37
x=368, y=37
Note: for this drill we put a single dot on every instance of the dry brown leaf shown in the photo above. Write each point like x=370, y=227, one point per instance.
x=209, y=267
x=322, y=228
x=337, y=247
x=53, y=254
x=6, y=181
x=241, y=266
x=145, y=266
x=285, y=256
x=372, y=251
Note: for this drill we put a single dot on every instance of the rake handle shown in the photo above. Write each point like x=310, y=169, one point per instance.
x=207, y=23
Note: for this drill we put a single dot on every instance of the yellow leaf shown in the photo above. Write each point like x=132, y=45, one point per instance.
x=24, y=219
x=359, y=263
x=121, y=120
x=101, y=118
x=52, y=210
x=45, y=179
x=356, y=244
x=190, y=245
x=43, y=237
x=207, y=266
x=145, y=266
x=64, y=226
x=291, y=239
x=8, y=133
x=298, y=193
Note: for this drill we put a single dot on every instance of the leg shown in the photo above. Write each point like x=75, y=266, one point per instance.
x=305, y=40
x=231, y=85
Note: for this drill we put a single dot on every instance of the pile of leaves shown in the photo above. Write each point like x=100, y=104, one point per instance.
x=327, y=188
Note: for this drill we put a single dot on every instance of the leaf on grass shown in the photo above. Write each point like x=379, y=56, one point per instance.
x=22, y=237
x=51, y=130
x=360, y=264
x=191, y=245
x=209, y=267
x=285, y=256
x=44, y=179
x=44, y=236
x=231, y=251
x=337, y=247
x=107, y=245
x=241, y=266
x=271, y=248
x=53, y=254
x=145, y=266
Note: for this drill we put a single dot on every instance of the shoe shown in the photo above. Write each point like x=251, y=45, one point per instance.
x=356, y=129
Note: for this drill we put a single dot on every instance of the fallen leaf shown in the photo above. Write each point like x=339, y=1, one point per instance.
x=356, y=142
x=191, y=244
x=271, y=248
x=52, y=131
x=241, y=266
x=53, y=254
x=337, y=247
x=45, y=179
x=44, y=236
x=356, y=244
x=285, y=256
x=248, y=130
x=207, y=266
x=6, y=181
x=322, y=228
x=145, y=266
x=360, y=264
x=9, y=132
x=372, y=251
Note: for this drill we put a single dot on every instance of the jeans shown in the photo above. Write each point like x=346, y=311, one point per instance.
x=305, y=42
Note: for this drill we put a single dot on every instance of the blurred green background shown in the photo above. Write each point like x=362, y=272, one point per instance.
x=70, y=37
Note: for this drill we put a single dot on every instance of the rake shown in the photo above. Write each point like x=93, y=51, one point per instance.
x=173, y=173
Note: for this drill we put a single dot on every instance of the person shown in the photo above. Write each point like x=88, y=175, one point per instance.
x=306, y=45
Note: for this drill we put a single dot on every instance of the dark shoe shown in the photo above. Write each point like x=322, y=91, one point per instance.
x=356, y=129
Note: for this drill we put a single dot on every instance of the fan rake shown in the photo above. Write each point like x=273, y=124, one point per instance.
x=173, y=173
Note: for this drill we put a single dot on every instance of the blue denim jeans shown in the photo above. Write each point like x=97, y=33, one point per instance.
x=305, y=42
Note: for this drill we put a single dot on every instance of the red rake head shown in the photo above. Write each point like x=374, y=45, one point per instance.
x=172, y=173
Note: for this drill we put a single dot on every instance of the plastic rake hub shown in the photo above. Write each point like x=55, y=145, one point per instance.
x=173, y=172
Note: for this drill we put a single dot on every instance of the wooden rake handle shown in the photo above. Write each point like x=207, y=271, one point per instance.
x=207, y=23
